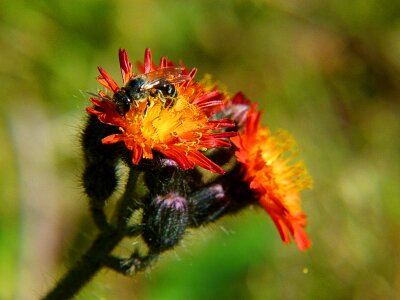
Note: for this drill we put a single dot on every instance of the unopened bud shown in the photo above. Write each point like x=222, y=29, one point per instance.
x=206, y=205
x=165, y=220
x=99, y=181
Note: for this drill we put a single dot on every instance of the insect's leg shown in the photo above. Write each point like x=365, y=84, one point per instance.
x=169, y=102
x=157, y=93
x=145, y=109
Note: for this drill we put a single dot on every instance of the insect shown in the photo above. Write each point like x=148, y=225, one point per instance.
x=159, y=83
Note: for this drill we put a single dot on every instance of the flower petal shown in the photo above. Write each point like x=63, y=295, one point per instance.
x=147, y=60
x=106, y=81
x=125, y=66
x=266, y=162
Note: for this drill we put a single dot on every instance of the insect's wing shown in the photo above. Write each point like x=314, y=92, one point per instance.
x=172, y=74
x=164, y=73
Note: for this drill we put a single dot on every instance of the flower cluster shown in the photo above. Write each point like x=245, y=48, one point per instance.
x=163, y=123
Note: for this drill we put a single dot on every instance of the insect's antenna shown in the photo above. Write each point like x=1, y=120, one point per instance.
x=98, y=96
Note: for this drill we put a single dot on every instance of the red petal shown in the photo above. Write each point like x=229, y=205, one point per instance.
x=237, y=141
x=92, y=111
x=147, y=60
x=106, y=81
x=240, y=98
x=97, y=102
x=125, y=65
x=137, y=152
x=217, y=124
x=206, y=97
x=113, y=138
x=281, y=229
x=301, y=238
x=253, y=120
x=204, y=162
x=191, y=74
x=163, y=62
x=212, y=143
x=180, y=157
x=210, y=103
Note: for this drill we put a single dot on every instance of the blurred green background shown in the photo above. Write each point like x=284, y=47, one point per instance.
x=326, y=70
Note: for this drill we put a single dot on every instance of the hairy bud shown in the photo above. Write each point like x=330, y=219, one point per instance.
x=206, y=205
x=165, y=220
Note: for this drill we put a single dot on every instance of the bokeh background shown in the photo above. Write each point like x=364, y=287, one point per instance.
x=328, y=71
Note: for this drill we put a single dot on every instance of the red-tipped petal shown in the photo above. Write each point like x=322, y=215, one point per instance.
x=125, y=65
x=113, y=138
x=163, y=62
x=106, y=81
x=137, y=152
x=180, y=157
x=301, y=238
x=211, y=103
x=213, y=143
x=96, y=101
x=240, y=98
x=92, y=111
x=147, y=60
x=191, y=75
x=204, y=162
x=222, y=123
x=281, y=229
x=206, y=97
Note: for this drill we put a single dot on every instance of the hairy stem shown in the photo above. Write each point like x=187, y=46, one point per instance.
x=98, y=254
x=131, y=265
x=99, y=217
x=129, y=201
x=89, y=264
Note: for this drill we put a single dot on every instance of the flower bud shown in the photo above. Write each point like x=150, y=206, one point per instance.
x=165, y=220
x=160, y=175
x=206, y=205
x=99, y=181
x=236, y=109
x=99, y=177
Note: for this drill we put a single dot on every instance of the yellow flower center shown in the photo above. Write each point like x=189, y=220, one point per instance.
x=156, y=124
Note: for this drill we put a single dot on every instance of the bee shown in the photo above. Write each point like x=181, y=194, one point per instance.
x=159, y=83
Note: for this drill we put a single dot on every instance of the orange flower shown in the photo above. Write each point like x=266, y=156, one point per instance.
x=179, y=128
x=266, y=160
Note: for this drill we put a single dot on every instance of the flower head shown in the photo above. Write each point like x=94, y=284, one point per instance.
x=179, y=125
x=165, y=220
x=268, y=168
